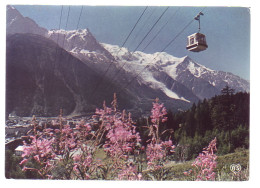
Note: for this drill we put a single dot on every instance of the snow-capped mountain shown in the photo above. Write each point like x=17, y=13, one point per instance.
x=142, y=77
x=200, y=80
x=83, y=45
x=79, y=42
x=145, y=68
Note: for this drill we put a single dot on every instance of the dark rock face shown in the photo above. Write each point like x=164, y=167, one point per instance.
x=42, y=78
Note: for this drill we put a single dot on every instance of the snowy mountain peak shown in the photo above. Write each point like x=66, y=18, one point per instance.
x=70, y=34
x=183, y=70
x=161, y=58
x=80, y=42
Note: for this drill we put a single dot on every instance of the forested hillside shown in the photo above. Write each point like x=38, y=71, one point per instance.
x=225, y=116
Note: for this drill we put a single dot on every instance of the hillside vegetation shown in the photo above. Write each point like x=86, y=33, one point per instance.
x=225, y=116
x=223, y=171
x=213, y=136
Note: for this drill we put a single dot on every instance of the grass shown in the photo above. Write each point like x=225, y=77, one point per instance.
x=223, y=172
x=175, y=171
x=240, y=156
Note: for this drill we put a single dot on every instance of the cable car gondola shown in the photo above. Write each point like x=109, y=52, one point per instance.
x=197, y=41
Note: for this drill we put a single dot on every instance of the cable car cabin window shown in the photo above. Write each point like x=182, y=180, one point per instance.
x=192, y=40
x=201, y=39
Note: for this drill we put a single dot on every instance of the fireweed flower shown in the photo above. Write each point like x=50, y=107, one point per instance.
x=41, y=151
x=158, y=113
x=121, y=139
x=116, y=134
x=23, y=161
x=205, y=163
x=157, y=149
x=39, y=146
x=129, y=173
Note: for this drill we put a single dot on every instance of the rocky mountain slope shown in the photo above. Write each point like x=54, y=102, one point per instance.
x=43, y=78
x=17, y=23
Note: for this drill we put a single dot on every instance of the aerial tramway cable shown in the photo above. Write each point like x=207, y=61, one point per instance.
x=100, y=81
x=66, y=27
x=80, y=14
x=62, y=46
x=159, y=53
x=143, y=26
x=138, y=44
x=151, y=29
x=141, y=42
x=148, y=43
x=56, y=49
x=58, y=36
x=134, y=26
x=160, y=29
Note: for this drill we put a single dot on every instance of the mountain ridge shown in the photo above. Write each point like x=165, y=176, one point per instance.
x=182, y=70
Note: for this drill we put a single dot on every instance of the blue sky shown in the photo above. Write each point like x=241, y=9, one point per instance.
x=227, y=30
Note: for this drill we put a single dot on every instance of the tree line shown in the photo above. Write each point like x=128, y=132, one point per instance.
x=225, y=117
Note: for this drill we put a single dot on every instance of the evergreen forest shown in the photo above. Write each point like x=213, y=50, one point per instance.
x=225, y=117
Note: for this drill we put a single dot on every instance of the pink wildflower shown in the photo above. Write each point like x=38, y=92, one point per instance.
x=57, y=131
x=23, y=161
x=129, y=173
x=157, y=149
x=87, y=176
x=158, y=113
x=206, y=162
x=24, y=168
x=75, y=168
x=77, y=158
x=36, y=157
